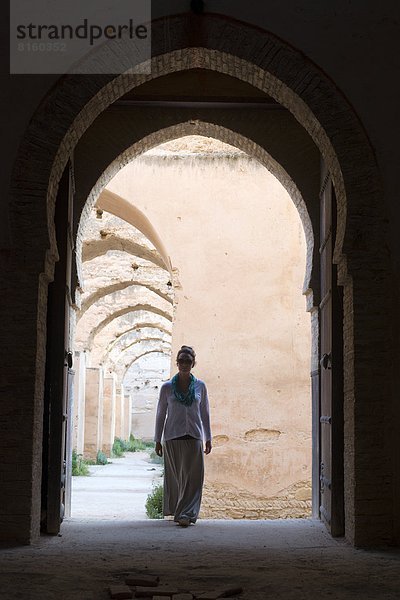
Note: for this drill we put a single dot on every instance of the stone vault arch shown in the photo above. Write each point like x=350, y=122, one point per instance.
x=115, y=242
x=128, y=309
x=122, y=326
x=116, y=287
x=120, y=207
x=156, y=351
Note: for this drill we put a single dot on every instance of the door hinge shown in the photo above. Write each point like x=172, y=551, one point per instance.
x=327, y=420
x=326, y=361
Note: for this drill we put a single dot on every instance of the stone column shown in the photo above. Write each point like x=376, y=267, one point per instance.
x=119, y=413
x=79, y=401
x=122, y=412
x=127, y=416
x=93, y=411
x=109, y=397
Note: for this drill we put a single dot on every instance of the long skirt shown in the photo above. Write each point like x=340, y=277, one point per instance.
x=183, y=478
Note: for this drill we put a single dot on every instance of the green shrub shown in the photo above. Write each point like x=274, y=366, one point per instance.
x=124, y=444
x=136, y=445
x=132, y=445
x=79, y=466
x=155, y=459
x=154, y=503
x=118, y=448
x=101, y=458
x=150, y=445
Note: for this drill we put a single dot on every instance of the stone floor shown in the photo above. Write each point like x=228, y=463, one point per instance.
x=108, y=537
x=283, y=559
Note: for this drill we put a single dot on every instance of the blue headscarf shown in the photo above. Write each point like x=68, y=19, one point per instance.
x=188, y=397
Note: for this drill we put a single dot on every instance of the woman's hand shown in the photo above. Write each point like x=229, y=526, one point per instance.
x=158, y=449
x=208, y=447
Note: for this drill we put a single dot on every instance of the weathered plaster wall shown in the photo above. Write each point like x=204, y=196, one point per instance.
x=236, y=240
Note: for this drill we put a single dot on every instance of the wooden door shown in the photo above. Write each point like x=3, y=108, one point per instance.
x=331, y=369
x=69, y=373
x=58, y=366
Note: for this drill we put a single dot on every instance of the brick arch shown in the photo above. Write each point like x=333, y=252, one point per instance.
x=144, y=354
x=92, y=249
x=125, y=210
x=106, y=305
x=121, y=365
x=142, y=341
x=122, y=349
x=268, y=63
x=128, y=309
x=115, y=287
x=122, y=208
x=110, y=336
x=158, y=327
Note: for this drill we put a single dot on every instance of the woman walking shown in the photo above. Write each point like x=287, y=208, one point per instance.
x=183, y=416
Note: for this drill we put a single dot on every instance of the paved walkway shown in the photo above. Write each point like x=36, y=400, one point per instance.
x=277, y=560
x=116, y=491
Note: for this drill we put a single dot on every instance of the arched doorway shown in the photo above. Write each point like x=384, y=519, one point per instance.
x=314, y=101
x=230, y=305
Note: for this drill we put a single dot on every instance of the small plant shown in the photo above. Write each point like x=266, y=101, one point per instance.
x=150, y=445
x=118, y=448
x=79, y=466
x=124, y=444
x=132, y=445
x=136, y=445
x=101, y=458
x=155, y=459
x=154, y=502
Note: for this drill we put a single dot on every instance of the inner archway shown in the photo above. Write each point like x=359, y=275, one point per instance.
x=240, y=305
x=256, y=436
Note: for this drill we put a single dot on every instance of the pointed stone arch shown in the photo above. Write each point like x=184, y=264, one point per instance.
x=128, y=309
x=120, y=207
x=124, y=347
x=112, y=332
x=124, y=362
x=115, y=242
x=144, y=354
x=116, y=287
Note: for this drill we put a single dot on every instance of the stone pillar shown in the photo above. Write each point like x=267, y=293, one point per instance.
x=127, y=416
x=119, y=413
x=79, y=402
x=122, y=412
x=93, y=411
x=109, y=397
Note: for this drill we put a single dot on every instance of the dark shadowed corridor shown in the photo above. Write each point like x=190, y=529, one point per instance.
x=293, y=559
